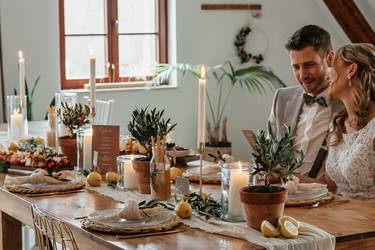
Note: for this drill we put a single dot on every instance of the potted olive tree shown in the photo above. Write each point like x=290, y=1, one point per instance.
x=146, y=124
x=275, y=159
x=73, y=117
x=253, y=78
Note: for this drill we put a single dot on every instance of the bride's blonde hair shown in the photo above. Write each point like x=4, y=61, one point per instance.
x=362, y=87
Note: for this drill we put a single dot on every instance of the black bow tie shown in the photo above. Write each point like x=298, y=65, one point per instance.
x=309, y=100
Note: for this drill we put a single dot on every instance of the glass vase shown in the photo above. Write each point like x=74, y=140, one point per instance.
x=234, y=176
x=84, y=149
x=160, y=174
x=17, y=117
x=61, y=129
x=128, y=178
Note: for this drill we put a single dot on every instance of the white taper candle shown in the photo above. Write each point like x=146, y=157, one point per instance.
x=202, y=107
x=21, y=76
x=92, y=84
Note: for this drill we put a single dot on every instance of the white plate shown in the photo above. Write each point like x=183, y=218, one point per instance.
x=150, y=222
x=312, y=193
x=178, y=153
x=195, y=164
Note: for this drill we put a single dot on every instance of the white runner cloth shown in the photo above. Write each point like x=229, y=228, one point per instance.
x=313, y=237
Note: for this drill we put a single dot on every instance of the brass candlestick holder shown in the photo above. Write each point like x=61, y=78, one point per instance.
x=201, y=153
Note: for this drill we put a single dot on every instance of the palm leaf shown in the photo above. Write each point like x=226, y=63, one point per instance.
x=164, y=71
x=35, y=85
x=254, y=77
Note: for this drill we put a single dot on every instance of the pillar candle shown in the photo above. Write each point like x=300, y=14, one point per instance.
x=17, y=127
x=87, y=152
x=238, y=180
x=129, y=175
x=202, y=107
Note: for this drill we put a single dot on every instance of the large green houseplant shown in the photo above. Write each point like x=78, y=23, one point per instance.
x=253, y=78
x=145, y=125
x=275, y=159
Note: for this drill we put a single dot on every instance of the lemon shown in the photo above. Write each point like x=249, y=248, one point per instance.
x=183, y=210
x=112, y=177
x=282, y=219
x=301, y=230
x=174, y=173
x=94, y=179
x=268, y=229
x=289, y=230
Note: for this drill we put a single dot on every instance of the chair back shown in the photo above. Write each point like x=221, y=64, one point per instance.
x=103, y=111
x=52, y=232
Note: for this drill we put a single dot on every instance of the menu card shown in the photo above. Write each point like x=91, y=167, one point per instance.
x=106, y=142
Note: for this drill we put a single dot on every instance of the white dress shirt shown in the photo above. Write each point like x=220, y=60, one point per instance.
x=311, y=130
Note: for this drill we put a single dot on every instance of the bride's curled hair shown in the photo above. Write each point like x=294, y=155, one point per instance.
x=362, y=90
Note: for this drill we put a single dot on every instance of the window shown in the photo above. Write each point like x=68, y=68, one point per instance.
x=127, y=37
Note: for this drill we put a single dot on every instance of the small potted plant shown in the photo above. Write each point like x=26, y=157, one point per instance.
x=73, y=117
x=275, y=159
x=145, y=125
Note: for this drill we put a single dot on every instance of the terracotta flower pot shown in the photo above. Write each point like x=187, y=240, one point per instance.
x=68, y=147
x=261, y=206
x=142, y=169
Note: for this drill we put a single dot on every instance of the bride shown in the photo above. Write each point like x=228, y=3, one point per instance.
x=351, y=155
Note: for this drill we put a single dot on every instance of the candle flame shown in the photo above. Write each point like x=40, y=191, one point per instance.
x=203, y=71
x=20, y=55
x=240, y=165
x=16, y=111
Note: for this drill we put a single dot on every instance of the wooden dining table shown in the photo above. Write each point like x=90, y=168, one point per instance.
x=352, y=222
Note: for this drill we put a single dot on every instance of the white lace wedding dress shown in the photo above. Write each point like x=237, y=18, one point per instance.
x=351, y=164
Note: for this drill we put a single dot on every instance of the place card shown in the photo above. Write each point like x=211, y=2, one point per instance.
x=182, y=186
x=106, y=142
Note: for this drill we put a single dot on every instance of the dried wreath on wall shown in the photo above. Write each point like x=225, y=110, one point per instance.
x=240, y=45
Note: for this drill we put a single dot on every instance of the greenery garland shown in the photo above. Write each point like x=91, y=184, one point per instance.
x=240, y=45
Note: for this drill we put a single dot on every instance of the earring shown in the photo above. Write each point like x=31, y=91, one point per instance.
x=350, y=81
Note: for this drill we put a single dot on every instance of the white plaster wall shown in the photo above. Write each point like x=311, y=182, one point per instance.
x=31, y=26
x=201, y=37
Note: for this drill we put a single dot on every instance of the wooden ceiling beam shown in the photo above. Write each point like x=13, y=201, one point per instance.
x=350, y=18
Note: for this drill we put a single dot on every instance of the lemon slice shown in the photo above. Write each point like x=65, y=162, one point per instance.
x=288, y=230
x=268, y=229
x=282, y=220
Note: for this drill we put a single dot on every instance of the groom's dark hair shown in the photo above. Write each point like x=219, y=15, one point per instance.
x=310, y=35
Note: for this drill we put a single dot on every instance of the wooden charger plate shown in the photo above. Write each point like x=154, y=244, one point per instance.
x=153, y=220
x=302, y=203
x=46, y=188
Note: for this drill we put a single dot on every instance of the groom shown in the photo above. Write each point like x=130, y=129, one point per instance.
x=307, y=108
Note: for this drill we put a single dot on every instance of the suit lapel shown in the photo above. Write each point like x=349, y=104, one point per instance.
x=293, y=109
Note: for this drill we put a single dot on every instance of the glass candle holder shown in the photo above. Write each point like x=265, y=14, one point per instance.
x=160, y=177
x=61, y=129
x=234, y=176
x=17, y=117
x=128, y=180
x=84, y=148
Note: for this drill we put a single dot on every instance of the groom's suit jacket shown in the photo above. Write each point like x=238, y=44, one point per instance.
x=287, y=107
